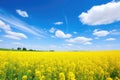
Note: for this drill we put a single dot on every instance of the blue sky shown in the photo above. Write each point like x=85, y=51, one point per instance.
x=60, y=24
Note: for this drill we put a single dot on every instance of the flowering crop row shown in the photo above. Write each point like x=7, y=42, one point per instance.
x=99, y=65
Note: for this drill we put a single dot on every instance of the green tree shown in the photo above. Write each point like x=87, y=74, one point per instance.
x=24, y=49
x=18, y=48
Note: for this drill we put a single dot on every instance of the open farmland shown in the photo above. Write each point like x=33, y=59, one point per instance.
x=25, y=65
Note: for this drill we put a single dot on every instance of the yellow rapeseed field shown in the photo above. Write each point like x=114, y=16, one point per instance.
x=25, y=65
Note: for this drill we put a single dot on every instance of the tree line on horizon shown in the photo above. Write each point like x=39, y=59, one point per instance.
x=24, y=49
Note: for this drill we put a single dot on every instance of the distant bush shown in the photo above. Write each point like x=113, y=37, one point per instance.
x=18, y=48
x=31, y=50
x=24, y=49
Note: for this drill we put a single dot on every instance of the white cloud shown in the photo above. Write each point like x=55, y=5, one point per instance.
x=22, y=13
x=103, y=33
x=58, y=23
x=18, y=24
x=52, y=30
x=115, y=32
x=61, y=34
x=102, y=14
x=10, y=33
x=100, y=33
x=4, y=26
x=110, y=39
x=15, y=35
x=80, y=40
x=12, y=37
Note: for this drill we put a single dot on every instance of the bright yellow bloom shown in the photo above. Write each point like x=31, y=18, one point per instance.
x=24, y=77
x=42, y=78
x=71, y=76
x=61, y=76
x=92, y=65
x=37, y=73
x=49, y=69
x=91, y=73
x=109, y=79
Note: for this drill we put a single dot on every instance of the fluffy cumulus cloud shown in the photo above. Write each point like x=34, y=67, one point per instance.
x=110, y=39
x=101, y=14
x=101, y=33
x=10, y=33
x=80, y=40
x=22, y=13
x=61, y=34
x=58, y=23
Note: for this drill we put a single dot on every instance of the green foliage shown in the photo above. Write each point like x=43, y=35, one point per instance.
x=18, y=48
x=24, y=49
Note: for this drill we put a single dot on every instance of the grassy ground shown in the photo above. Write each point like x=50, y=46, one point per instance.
x=26, y=65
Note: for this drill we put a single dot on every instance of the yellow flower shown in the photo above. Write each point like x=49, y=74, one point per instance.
x=49, y=69
x=61, y=76
x=29, y=71
x=42, y=78
x=109, y=79
x=24, y=77
x=37, y=73
x=91, y=73
x=71, y=76
x=116, y=78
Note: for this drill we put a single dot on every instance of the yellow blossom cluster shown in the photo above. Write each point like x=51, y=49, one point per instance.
x=86, y=65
